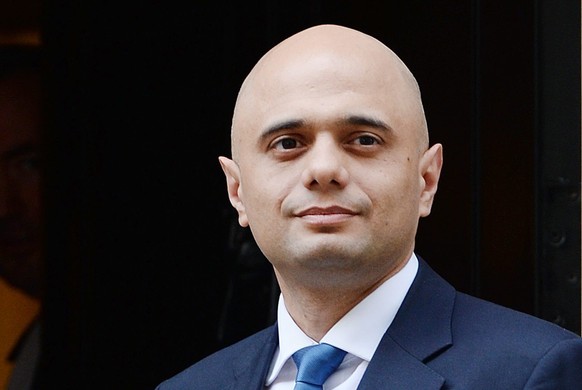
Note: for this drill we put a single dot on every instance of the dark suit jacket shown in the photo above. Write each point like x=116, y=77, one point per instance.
x=439, y=339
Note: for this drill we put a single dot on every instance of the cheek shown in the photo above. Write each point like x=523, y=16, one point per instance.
x=267, y=190
x=260, y=199
x=263, y=212
x=394, y=194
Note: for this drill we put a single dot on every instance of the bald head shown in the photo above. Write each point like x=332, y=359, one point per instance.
x=330, y=164
x=326, y=57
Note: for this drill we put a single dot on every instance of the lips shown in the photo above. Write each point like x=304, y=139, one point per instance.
x=326, y=216
x=323, y=211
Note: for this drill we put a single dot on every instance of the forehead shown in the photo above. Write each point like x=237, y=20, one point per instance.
x=320, y=62
x=324, y=72
x=324, y=86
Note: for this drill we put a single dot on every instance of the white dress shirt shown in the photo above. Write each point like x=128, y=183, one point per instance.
x=358, y=333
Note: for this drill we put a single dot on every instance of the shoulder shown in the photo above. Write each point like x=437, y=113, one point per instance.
x=515, y=347
x=217, y=370
x=480, y=339
x=509, y=327
x=474, y=318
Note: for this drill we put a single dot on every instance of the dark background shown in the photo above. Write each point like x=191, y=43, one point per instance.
x=147, y=271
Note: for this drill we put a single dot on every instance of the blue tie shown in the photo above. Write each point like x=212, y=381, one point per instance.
x=315, y=364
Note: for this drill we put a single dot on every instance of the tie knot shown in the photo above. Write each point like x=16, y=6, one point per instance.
x=316, y=363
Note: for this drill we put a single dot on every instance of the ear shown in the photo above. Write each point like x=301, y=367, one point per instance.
x=431, y=163
x=232, y=173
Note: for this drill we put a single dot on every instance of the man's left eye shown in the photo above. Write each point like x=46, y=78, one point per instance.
x=366, y=140
x=286, y=143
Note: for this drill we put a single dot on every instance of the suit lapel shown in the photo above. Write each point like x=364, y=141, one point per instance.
x=251, y=368
x=420, y=331
x=398, y=370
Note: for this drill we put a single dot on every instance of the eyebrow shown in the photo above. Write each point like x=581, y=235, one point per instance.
x=364, y=120
x=284, y=125
x=360, y=120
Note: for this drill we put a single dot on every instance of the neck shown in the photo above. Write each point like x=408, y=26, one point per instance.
x=317, y=310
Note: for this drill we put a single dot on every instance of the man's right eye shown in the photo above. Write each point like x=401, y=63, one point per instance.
x=286, y=143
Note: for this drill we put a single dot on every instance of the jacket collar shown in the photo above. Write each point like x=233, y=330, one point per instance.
x=420, y=331
x=252, y=366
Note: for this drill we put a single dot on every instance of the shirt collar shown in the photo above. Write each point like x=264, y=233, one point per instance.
x=358, y=332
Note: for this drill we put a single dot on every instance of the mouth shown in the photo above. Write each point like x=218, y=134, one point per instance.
x=326, y=215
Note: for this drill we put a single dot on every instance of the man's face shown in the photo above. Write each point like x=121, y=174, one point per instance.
x=329, y=152
x=20, y=210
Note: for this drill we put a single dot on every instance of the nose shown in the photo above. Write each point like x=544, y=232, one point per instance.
x=325, y=165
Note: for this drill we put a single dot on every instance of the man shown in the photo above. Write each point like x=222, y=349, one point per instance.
x=20, y=209
x=331, y=169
